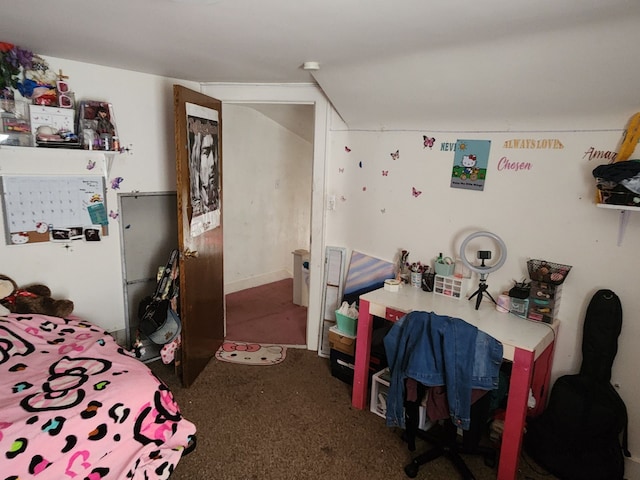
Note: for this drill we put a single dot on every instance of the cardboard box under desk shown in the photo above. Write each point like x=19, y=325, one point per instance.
x=341, y=341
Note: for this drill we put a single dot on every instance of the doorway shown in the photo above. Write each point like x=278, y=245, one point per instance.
x=323, y=116
x=267, y=192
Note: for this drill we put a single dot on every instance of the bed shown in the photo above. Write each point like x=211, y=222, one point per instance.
x=75, y=405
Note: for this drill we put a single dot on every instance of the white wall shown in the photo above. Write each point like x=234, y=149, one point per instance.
x=90, y=274
x=546, y=212
x=266, y=197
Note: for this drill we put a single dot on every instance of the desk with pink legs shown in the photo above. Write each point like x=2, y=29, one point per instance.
x=527, y=344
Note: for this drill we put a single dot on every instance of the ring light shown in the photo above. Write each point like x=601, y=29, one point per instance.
x=483, y=269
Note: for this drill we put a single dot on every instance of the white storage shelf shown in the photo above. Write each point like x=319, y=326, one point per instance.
x=379, y=390
x=453, y=287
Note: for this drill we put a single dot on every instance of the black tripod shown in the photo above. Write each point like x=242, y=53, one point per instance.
x=482, y=289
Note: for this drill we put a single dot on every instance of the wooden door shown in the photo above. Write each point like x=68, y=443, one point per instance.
x=198, y=133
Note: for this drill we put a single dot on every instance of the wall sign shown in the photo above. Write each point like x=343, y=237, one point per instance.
x=534, y=143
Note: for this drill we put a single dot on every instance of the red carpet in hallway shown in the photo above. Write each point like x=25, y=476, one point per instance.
x=266, y=314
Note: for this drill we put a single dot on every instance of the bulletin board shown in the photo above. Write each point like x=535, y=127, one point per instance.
x=53, y=208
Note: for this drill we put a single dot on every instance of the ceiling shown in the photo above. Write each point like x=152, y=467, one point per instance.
x=383, y=64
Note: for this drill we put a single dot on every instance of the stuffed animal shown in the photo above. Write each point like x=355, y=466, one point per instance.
x=32, y=299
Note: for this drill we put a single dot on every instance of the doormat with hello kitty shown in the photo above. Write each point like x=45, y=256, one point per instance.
x=251, y=353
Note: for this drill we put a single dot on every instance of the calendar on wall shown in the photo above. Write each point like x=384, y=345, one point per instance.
x=54, y=208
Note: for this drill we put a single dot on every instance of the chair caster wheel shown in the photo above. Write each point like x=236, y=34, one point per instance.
x=411, y=470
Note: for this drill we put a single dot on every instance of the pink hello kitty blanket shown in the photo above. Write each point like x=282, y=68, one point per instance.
x=75, y=405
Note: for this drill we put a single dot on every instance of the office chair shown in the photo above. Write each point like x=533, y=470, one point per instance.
x=444, y=437
x=426, y=350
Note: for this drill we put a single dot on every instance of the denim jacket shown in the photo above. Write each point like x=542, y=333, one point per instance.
x=440, y=350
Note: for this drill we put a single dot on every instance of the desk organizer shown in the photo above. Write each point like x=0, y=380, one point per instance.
x=379, y=390
x=453, y=287
x=544, y=301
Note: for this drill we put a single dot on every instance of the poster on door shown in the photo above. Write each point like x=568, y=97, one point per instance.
x=204, y=168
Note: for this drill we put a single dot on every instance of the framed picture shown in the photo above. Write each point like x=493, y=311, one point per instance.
x=96, y=125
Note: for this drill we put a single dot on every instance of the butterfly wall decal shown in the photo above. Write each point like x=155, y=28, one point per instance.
x=341, y=170
x=428, y=141
x=347, y=149
x=113, y=214
x=395, y=155
x=115, y=183
x=385, y=173
x=360, y=164
x=91, y=164
x=416, y=193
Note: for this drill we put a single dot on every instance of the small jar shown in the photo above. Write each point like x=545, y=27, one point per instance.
x=115, y=143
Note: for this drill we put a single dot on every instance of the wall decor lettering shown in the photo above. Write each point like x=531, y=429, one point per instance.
x=532, y=143
x=505, y=164
x=593, y=154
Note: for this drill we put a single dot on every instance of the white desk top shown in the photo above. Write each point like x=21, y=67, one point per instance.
x=511, y=330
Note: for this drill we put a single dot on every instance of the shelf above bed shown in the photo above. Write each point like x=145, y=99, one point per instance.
x=106, y=157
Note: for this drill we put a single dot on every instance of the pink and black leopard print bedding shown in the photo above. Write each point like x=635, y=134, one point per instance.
x=75, y=405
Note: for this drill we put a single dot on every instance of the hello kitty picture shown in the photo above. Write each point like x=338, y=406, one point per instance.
x=19, y=238
x=470, y=164
x=251, y=353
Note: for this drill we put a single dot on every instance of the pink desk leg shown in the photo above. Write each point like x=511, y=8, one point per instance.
x=521, y=374
x=541, y=379
x=363, y=349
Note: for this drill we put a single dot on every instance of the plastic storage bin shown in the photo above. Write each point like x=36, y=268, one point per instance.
x=346, y=324
x=378, y=404
x=449, y=286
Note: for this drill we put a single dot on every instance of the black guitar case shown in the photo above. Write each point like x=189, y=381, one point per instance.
x=582, y=434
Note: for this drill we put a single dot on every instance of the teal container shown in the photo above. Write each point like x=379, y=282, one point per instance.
x=346, y=325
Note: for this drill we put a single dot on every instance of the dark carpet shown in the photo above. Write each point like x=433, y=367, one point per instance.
x=293, y=421
x=266, y=314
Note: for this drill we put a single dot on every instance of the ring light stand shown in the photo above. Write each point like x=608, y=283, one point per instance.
x=482, y=269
